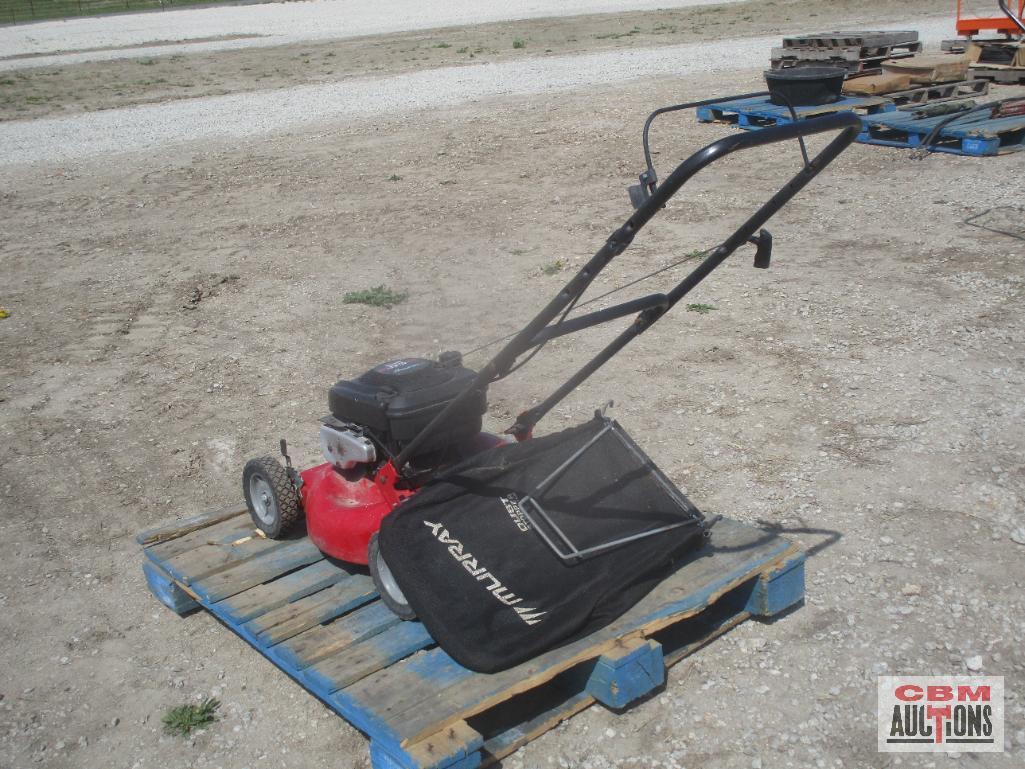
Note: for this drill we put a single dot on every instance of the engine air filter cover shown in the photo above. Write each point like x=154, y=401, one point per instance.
x=397, y=399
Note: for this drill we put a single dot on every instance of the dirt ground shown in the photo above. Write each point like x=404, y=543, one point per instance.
x=51, y=91
x=175, y=313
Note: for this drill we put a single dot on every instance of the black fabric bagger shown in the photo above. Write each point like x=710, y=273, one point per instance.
x=487, y=561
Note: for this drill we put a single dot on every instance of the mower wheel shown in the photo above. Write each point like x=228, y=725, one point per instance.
x=270, y=496
x=385, y=583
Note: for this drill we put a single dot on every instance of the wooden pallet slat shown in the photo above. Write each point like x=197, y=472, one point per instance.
x=455, y=747
x=859, y=38
x=318, y=643
x=222, y=532
x=367, y=657
x=213, y=557
x=759, y=112
x=251, y=572
x=855, y=51
x=974, y=134
x=942, y=92
x=324, y=626
x=293, y=618
x=261, y=599
x=1001, y=75
x=418, y=682
x=854, y=59
x=170, y=531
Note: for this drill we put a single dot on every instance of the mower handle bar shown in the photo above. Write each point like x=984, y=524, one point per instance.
x=579, y=323
x=649, y=179
x=847, y=123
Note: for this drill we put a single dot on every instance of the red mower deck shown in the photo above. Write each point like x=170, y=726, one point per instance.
x=324, y=626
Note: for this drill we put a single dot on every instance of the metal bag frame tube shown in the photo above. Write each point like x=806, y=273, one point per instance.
x=849, y=126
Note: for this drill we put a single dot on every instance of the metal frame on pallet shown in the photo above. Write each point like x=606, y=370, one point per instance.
x=574, y=553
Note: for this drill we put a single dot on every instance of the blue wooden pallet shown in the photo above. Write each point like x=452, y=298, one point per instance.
x=759, y=112
x=323, y=625
x=975, y=135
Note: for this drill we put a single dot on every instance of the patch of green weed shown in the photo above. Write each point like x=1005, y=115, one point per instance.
x=185, y=719
x=701, y=309
x=378, y=296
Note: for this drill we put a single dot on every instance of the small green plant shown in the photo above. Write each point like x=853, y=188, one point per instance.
x=442, y=45
x=464, y=49
x=700, y=309
x=553, y=267
x=395, y=178
x=184, y=719
x=519, y=42
x=378, y=296
x=147, y=62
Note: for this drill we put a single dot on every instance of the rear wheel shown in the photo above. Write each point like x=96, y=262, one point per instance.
x=385, y=583
x=270, y=496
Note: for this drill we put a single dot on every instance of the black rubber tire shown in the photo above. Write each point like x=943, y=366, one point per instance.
x=385, y=583
x=282, y=511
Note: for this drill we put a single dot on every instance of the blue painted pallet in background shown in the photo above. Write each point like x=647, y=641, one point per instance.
x=323, y=625
x=759, y=112
x=976, y=134
x=883, y=124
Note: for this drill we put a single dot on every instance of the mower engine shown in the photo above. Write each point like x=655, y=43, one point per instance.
x=373, y=417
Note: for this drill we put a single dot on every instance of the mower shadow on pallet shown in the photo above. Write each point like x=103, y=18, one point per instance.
x=324, y=626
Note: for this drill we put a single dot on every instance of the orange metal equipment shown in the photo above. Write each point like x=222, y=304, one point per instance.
x=969, y=27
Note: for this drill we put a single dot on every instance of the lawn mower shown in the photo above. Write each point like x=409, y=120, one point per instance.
x=412, y=423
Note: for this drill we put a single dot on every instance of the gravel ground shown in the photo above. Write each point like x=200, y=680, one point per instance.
x=281, y=23
x=246, y=115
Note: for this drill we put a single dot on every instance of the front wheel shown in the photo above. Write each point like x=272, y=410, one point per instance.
x=270, y=496
x=385, y=583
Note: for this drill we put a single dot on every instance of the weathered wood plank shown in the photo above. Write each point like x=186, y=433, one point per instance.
x=293, y=618
x=177, y=529
x=213, y=557
x=454, y=746
x=223, y=532
x=387, y=693
x=289, y=556
x=261, y=599
x=367, y=657
x=320, y=642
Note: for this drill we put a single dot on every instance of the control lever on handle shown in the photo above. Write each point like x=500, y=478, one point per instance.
x=639, y=193
x=763, y=251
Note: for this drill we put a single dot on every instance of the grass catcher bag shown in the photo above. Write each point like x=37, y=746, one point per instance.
x=528, y=546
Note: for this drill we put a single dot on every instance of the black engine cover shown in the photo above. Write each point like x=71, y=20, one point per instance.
x=397, y=399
